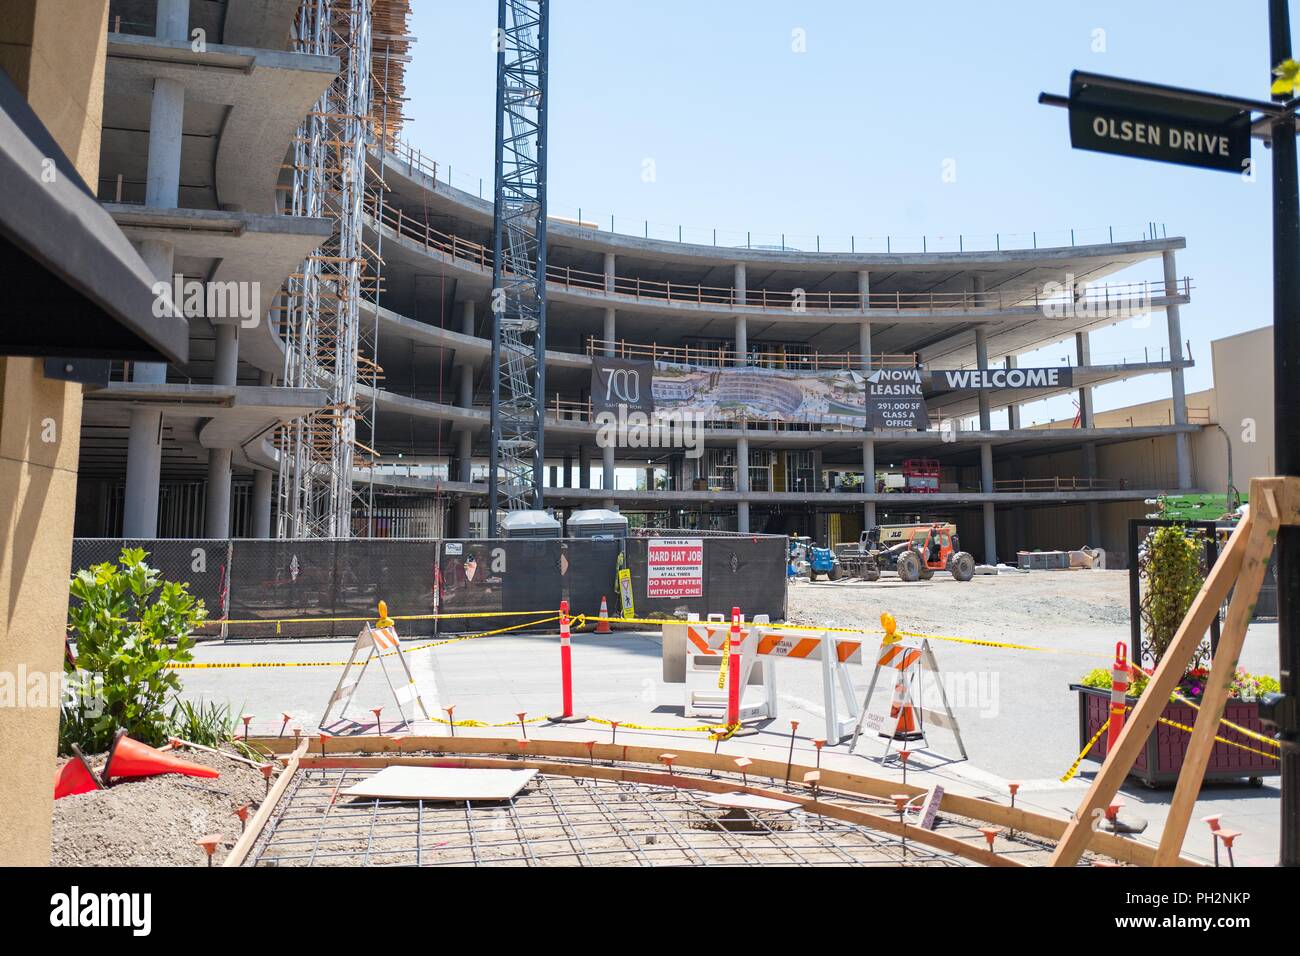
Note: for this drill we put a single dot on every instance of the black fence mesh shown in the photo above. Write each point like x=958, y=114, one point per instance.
x=298, y=588
x=201, y=563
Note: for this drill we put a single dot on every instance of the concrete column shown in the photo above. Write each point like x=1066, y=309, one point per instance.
x=467, y=317
x=742, y=483
x=462, y=517
x=262, y=484
x=610, y=333
x=216, y=520
x=172, y=21
x=986, y=485
x=1089, y=453
x=742, y=340
x=607, y=473
x=650, y=479
x=144, y=436
x=864, y=288
x=1179, y=391
x=566, y=479
x=143, y=466
x=166, y=119
x=1013, y=410
x=982, y=362
x=225, y=362
x=610, y=263
x=584, y=466
x=739, y=283
x=464, y=455
x=1083, y=357
x=869, y=479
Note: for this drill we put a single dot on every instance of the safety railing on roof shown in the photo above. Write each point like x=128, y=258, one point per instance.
x=1100, y=300
x=782, y=241
x=725, y=355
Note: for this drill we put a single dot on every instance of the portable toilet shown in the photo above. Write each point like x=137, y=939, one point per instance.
x=529, y=524
x=596, y=523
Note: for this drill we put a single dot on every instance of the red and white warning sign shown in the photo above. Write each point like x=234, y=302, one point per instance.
x=675, y=568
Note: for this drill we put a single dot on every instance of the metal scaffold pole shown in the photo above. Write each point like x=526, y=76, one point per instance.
x=517, y=450
x=324, y=339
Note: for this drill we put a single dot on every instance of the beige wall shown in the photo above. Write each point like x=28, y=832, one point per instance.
x=54, y=52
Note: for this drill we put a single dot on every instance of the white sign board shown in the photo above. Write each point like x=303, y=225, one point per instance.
x=675, y=568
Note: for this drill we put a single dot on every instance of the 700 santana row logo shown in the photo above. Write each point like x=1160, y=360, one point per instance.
x=1071, y=298
x=210, y=300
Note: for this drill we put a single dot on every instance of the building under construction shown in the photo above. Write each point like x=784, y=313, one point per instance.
x=358, y=400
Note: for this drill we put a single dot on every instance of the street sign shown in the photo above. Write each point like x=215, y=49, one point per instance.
x=1149, y=121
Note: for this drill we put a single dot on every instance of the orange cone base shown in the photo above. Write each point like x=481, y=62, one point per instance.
x=75, y=777
x=133, y=759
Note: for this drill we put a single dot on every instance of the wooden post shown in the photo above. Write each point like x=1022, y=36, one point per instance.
x=1149, y=707
x=1265, y=510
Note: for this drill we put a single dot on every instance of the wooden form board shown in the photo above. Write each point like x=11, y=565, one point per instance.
x=456, y=784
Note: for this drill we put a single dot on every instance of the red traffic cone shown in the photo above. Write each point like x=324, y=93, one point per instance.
x=602, y=625
x=130, y=758
x=75, y=777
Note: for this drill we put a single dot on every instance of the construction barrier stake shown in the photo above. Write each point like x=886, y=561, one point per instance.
x=1120, y=675
x=733, y=670
x=566, y=669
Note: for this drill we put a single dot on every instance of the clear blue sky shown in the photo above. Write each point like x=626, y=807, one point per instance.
x=850, y=137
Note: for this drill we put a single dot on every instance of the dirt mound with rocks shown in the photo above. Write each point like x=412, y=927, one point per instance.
x=154, y=821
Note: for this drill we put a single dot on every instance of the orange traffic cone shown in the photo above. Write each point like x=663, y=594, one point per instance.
x=75, y=777
x=602, y=625
x=130, y=758
x=902, y=711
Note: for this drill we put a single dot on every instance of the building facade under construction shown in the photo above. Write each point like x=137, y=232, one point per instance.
x=358, y=400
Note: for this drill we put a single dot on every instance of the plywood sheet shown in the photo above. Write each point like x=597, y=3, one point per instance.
x=441, y=783
x=748, y=801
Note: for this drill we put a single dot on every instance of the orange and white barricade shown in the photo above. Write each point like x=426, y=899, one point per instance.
x=708, y=672
x=835, y=654
x=379, y=642
x=901, y=716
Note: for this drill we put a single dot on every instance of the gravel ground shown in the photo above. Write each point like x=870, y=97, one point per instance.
x=154, y=821
x=985, y=607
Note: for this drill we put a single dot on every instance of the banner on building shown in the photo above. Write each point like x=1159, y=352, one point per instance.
x=675, y=568
x=895, y=399
x=729, y=393
x=1013, y=378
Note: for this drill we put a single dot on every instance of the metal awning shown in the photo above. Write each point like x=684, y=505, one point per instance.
x=74, y=285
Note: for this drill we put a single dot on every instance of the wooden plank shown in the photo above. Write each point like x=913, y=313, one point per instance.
x=442, y=783
x=254, y=829
x=1119, y=761
x=1192, y=774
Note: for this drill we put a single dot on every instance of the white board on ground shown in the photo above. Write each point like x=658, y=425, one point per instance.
x=442, y=783
x=748, y=801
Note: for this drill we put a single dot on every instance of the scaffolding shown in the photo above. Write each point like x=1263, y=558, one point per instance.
x=519, y=260
x=325, y=344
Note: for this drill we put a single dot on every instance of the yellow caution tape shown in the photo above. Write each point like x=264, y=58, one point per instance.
x=702, y=728
x=726, y=658
x=1074, y=767
x=1244, y=731
x=237, y=665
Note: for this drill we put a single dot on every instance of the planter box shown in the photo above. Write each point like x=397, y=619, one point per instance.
x=1161, y=756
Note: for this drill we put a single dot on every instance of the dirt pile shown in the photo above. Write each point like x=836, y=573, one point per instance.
x=154, y=821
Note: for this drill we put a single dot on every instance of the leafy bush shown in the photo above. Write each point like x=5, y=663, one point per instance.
x=1170, y=569
x=130, y=625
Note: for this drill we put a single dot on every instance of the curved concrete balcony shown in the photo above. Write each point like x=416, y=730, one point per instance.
x=473, y=264
x=242, y=108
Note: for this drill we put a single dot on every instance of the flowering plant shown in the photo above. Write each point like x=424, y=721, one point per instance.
x=1245, y=687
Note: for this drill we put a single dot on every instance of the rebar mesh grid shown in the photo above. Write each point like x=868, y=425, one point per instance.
x=558, y=820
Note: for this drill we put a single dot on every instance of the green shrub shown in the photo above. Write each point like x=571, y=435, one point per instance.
x=1171, y=573
x=130, y=626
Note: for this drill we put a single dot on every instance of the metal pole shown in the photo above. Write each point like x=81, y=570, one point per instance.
x=1281, y=710
x=494, y=426
x=539, y=451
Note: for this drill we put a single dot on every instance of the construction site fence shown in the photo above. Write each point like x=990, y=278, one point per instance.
x=267, y=589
